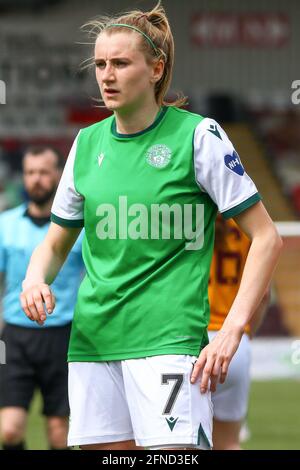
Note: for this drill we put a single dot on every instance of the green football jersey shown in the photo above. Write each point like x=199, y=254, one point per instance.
x=148, y=203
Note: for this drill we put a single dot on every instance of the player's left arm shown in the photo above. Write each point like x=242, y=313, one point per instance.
x=264, y=251
x=259, y=314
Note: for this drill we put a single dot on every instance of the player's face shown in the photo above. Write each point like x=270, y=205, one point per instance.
x=125, y=79
x=41, y=176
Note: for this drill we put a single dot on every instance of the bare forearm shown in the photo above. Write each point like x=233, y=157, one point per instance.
x=260, y=264
x=44, y=265
x=49, y=256
x=259, y=314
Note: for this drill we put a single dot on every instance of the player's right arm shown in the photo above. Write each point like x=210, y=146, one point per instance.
x=45, y=263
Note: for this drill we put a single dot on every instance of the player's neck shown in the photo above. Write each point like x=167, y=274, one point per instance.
x=36, y=210
x=137, y=120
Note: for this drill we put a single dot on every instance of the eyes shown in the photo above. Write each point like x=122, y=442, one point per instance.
x=117, y=63
x=36, y=172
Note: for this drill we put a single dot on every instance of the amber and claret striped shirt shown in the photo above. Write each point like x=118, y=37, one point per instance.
x=230, y=253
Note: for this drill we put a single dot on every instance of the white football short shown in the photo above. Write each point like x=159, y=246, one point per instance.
x=230, y=400
x=149, y=400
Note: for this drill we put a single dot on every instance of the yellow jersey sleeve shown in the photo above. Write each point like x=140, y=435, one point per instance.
x=226, y=273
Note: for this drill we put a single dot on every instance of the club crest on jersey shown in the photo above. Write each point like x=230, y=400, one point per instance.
x=159, y=156
x=234, y=164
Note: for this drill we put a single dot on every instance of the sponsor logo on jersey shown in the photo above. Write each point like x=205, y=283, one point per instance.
x=234, y=164
x=100, y=159
x=171, y=422
x=159, y=156
x=214, y=130
x=155, y=222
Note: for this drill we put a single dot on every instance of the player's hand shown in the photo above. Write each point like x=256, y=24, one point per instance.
x=213, y=362
x=35, y=299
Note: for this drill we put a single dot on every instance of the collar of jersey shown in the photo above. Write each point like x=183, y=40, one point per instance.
x=158, y=119
x=39, y=221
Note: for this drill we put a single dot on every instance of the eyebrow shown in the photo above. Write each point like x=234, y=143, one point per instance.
x=112, y=59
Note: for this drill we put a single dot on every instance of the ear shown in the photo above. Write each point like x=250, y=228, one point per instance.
x=157, y=71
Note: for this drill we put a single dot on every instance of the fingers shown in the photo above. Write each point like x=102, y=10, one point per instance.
x=206, y=375
x=35, y=299
x=215, y=374
x=211, y=368
x=29, y=307
x=24, y=306
x=198, y=366
x=215, y=370
x=48, y=298
x=224, y=371
x=36, y=307
x=206, y=368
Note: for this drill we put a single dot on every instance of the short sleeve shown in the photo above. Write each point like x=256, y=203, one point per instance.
x=219, y=170
x=67, y=208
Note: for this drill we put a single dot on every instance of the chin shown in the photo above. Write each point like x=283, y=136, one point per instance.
x=111, y=106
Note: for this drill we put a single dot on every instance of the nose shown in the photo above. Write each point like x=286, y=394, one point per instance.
x=36, y=177
x=108, y=73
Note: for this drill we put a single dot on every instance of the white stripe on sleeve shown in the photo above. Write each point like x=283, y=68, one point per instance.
x=68, y=203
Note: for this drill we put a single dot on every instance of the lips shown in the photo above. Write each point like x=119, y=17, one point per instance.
x=110, y=91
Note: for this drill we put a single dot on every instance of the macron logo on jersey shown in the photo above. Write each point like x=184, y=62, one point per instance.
x=234, y=164
x=171, y=422
x=100, y=159
x=214, y=130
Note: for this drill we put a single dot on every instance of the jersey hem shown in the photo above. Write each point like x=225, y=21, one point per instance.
x=242, y=206
x=134, y=355
x=160, y=441
x=78, y=223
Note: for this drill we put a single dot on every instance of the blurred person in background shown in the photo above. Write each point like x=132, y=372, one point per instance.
x=36, y=357
x=4, y=175
x=230, y=400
